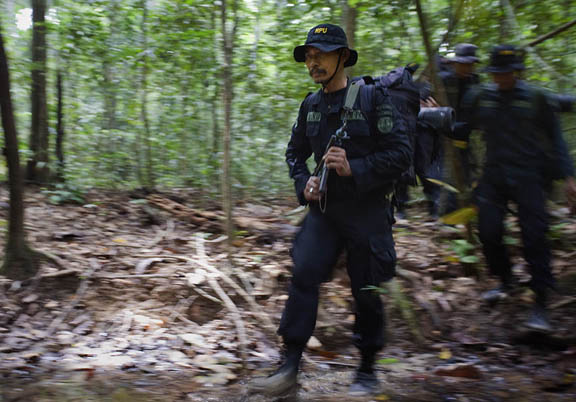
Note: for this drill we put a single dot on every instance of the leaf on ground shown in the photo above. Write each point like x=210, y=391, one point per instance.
x=460, y=370
x=314, y=343
x=460, y=217
x=443, y=184
x=387, y=360
x=445, y=354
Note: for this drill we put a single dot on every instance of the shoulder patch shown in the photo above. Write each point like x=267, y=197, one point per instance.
x=385, y=124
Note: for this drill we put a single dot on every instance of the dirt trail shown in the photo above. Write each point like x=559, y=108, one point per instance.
x=133, y=323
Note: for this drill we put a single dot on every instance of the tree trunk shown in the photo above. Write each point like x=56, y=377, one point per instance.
x=446, y=38
x=107, y=139
x=350, y=14
x=214, y=161
x=148, y=142
x=228, y=36
x=452, y=169
x=39, y=140
x=431, y=54
x=60, y=127
x=20, y=261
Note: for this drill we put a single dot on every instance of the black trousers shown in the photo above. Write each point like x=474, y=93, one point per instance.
x=363, y=229
x=493, y=195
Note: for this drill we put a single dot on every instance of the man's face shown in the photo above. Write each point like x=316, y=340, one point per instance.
x=463, y=69
x=505, y=81
x=321, y=65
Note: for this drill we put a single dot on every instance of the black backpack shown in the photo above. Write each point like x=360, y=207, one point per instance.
x=405, y=95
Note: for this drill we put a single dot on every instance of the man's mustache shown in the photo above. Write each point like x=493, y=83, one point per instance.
x=317, y=71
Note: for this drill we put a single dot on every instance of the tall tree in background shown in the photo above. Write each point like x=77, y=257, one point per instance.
x=107, y=140
x=214, y=99
x=20, y=261
x=60, y=126
x=39, y=140
x=59, y=111
x=228, y=37
x=144, y=85
x=349, y=22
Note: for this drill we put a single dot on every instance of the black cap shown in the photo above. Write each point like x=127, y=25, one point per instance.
x=505, y=59
x=465, y=53
x=327, y=38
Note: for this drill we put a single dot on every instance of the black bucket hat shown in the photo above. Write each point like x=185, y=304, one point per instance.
x=505, y=59
x=465, y=54
x=327, y=38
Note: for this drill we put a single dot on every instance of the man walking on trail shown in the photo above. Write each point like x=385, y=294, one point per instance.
x=353, y=213
x=524, y=151
x=457, y=81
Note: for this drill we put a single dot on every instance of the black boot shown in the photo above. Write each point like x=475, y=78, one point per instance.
x=502, y=292
x=538, y=319
x=284, y=378
x=365, y=381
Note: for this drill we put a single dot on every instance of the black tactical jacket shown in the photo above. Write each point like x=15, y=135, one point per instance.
x=522, y=133
x=378, y=149
x=456, y=87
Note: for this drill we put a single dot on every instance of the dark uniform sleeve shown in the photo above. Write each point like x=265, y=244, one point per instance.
x=467, y=119
x=297, y=153
x=551, y=126
x=562, y=103
x=392, y=154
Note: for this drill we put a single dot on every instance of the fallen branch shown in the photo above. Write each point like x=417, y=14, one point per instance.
x=249, y=299
x=163, y=234
x=181, y=305
x=183, y=212
x=184, y=319
x=57, y=274
x=206, y=295
x=236, y=316
x=49, y=257
x=563, y=303
x=135, y=276
x=94, y=266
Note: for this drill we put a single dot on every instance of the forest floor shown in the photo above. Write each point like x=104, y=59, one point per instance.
x=141, y=302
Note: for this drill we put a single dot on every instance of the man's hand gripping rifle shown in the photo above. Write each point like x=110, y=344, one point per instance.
x=322, y=171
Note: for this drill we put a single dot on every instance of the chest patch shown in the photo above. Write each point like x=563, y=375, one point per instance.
x=488, y=103
x=522, y=104
x=353, y=115
x=313, y=116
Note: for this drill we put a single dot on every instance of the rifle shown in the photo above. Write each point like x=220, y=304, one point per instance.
x=322, y=170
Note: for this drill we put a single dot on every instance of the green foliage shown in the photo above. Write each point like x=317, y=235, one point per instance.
x=65, y=193
x=464, y=250
x=99, y=46
x=376, y=289
x=388, y=360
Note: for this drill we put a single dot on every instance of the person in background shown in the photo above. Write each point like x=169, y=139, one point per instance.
x=524, y=151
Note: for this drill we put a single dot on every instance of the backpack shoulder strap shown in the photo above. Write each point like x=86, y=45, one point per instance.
x=351, y=96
